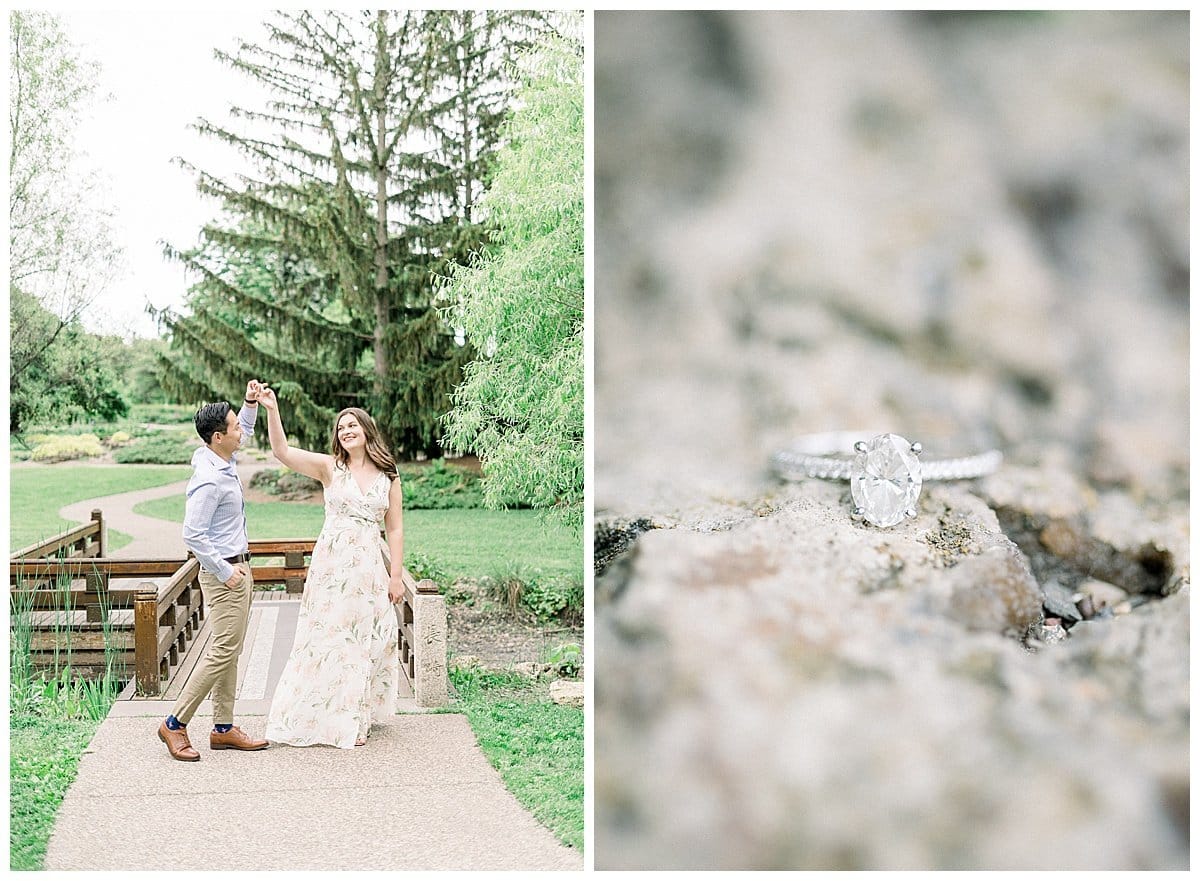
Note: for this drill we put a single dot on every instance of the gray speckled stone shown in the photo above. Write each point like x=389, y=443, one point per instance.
x=431, y=685
x=967, y=229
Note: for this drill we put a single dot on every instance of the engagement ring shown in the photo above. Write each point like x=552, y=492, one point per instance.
x=885, y=472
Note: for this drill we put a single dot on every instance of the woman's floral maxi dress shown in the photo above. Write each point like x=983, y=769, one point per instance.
x=344, y=665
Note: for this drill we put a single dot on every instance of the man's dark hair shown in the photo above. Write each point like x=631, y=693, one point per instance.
x=211, y=418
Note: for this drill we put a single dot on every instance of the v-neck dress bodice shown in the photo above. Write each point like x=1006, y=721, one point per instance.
x=345, y=665
x=346, y=505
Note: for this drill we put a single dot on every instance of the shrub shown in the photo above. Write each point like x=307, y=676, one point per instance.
x=546, y=598
x=460, y=592
x=422, y=566
x=440, y=486
x=164, y=448
x=48, y=432
x=118, y=438
x=266, y=480
x=560, y=598
x=65, y=448
x=285, y=483
x=166, y=414
x=566, y=659
x=508, y=587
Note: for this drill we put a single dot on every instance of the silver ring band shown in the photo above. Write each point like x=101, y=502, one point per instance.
x=884, y=470
x=828, y=456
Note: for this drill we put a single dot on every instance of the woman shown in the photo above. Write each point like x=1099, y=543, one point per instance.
x=344, y=666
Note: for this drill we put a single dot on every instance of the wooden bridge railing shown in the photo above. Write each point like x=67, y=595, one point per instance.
x=166, y=619
x=88, y=540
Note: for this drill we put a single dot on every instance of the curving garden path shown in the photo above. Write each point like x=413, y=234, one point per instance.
x=152, y=537
x=419, y=795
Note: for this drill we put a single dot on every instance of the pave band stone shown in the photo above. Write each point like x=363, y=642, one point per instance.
x=884, y=471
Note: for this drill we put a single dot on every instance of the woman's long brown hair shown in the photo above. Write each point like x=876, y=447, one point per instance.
x=377, y=450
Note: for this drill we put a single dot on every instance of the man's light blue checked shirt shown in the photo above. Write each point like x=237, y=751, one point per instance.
x=214, y=523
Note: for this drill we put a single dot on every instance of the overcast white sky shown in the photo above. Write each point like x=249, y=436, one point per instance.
x=159, y=69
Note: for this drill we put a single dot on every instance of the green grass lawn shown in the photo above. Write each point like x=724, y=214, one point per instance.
x=465, y=542
x=536, y=745
x=37, y=492
x=43, y=757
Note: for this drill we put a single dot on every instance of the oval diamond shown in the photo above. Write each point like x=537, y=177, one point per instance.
x=886, y=480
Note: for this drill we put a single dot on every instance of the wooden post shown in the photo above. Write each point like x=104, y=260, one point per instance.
x=294, y=559
x=145, y=639
x=96, y=583
x=101, y=532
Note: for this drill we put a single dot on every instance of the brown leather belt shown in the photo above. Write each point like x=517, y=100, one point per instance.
x=238, y=558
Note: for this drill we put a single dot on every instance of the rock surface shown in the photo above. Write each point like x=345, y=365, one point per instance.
x=567, y=693
x=970, y=229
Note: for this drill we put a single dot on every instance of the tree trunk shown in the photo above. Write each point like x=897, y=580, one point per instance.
x=381, y=228
x=465, y=104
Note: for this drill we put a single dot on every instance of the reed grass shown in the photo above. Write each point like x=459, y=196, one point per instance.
x=57, y=691
x=53, y=715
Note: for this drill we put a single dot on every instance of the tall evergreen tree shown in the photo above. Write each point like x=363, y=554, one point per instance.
x=367, y=159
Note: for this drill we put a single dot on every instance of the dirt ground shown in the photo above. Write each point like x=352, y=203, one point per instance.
x=481, y=627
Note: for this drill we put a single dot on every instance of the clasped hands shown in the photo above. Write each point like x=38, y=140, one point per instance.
x=259, y=393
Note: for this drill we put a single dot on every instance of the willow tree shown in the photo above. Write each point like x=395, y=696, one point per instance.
x=520, y=406
x=61, y=249
x=365, y=162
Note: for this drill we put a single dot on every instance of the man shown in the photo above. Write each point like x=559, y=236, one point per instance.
x=214, y=529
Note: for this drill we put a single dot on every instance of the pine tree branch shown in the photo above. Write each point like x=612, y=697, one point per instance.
x=278, y=118
x=274, y=71
x=267, y=308
x=198, y=329
x=261, y=149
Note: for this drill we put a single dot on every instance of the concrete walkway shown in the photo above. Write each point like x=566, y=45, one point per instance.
x=419, y=795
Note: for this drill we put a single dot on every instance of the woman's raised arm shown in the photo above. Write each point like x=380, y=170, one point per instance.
x=318, y=466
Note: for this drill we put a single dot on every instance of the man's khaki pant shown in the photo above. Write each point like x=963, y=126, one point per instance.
x=228, y=610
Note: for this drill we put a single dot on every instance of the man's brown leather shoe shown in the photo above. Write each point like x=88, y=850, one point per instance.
x=177, y=743
x=234, y=738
